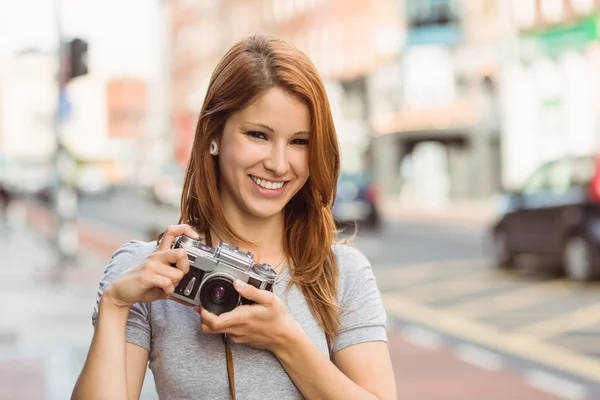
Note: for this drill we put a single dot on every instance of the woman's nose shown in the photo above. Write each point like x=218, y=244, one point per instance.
x=277, y=161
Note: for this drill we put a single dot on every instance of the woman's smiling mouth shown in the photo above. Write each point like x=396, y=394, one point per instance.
x=270, y=185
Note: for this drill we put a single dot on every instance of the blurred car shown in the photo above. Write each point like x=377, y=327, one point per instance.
x=356, y=200
x=556, y=215
x=91, y=180
x=28, y=178
x=167, y=188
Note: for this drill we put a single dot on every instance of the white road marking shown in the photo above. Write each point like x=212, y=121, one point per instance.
x=422, y=337
x=479, y=357
x=553, y=384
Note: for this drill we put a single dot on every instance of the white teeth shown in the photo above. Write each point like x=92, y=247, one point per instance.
x=267, y=184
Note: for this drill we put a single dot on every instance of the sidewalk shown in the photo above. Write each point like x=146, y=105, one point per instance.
x=467, y=212
x=46, y=328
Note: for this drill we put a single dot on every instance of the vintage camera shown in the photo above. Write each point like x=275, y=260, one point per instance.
x=209, y=282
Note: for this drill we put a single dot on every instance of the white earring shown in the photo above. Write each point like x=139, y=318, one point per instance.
x=213, y=148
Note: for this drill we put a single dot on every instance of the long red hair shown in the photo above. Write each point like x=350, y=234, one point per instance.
x=248, y=70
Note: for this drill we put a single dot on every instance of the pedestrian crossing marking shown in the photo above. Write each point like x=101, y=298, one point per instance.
x=516, y=343
x=402, y=276
x=578, y=319
x=512, y=300
x=589, y=343
x=472, y=283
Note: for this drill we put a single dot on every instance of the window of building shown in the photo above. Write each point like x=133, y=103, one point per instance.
x=524, y=12
x=267, y=10
x=278, y=12
x=582, y=6
x=300, y=6
x=432, y=12
x=553, y=10
x=288, y=9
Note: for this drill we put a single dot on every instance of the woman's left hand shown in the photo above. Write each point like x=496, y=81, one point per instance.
x=264, y=325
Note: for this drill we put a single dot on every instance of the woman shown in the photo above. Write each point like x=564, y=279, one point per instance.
x=262, y=176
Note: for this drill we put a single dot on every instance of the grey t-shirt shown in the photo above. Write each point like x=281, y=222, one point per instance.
x=189, y=364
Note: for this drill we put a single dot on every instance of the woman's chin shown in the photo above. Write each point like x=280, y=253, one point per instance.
x=264, y=211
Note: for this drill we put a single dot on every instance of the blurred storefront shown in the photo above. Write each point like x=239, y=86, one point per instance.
x=409, y=82
x=552, y=82
x=437, y=138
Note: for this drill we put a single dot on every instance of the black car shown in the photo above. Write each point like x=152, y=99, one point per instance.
x=356, y=200
x=556, y=215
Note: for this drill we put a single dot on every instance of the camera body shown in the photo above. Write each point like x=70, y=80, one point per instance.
x=209, y=282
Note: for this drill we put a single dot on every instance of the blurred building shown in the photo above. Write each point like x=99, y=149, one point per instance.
x=407, y=80
x=199, y=33
x=551, y=82
x=127, y=101
x=437, y=139
x=345, y=39
x=28, y=96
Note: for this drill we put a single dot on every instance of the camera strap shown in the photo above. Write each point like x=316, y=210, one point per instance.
x=230, y=373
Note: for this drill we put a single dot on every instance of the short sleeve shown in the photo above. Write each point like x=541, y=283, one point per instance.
x=138, y=329
x=363, y=317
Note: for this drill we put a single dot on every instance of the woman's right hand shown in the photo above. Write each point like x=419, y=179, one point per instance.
x=155, y=278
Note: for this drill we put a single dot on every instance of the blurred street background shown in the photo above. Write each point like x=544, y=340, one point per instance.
x=470, y=135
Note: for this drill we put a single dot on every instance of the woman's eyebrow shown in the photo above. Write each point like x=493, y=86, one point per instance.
x=268, y=128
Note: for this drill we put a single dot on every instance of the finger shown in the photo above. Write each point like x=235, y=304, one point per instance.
x=240, y=339
x=224, y=322
x=206, y=317
x=251, y=293
x=153, y=280
x=172, y=232
x=206, y=329
x=173, y=263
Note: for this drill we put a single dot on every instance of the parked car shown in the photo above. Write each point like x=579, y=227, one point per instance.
x=28, y=178
x=555, y=215
x=356, y=200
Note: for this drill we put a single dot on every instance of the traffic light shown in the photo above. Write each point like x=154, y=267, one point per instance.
x=78, y=49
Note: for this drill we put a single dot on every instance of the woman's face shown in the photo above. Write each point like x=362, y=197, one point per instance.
x=263, y=155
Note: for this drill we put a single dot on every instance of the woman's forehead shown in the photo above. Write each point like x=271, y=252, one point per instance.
x=277, y=110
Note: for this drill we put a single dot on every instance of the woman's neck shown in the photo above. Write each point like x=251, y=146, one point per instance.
x=265, y=233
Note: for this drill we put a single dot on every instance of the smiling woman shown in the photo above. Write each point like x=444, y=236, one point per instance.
x=262, y=177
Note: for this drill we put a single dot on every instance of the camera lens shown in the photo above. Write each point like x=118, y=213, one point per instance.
x=218, y=295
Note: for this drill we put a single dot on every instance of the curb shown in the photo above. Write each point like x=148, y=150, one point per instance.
x=437, y=217
x=98, y=240
x=476, y=214
x=96, y=246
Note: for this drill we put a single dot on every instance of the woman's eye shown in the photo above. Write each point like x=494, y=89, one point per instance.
x=257, y=135
x=300, y=142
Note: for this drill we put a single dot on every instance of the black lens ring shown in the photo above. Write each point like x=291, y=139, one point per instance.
x=205, y=294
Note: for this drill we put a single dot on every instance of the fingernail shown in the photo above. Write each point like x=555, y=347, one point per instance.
x=238, y=284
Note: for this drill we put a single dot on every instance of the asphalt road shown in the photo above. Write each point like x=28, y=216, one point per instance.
x=446, y=302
